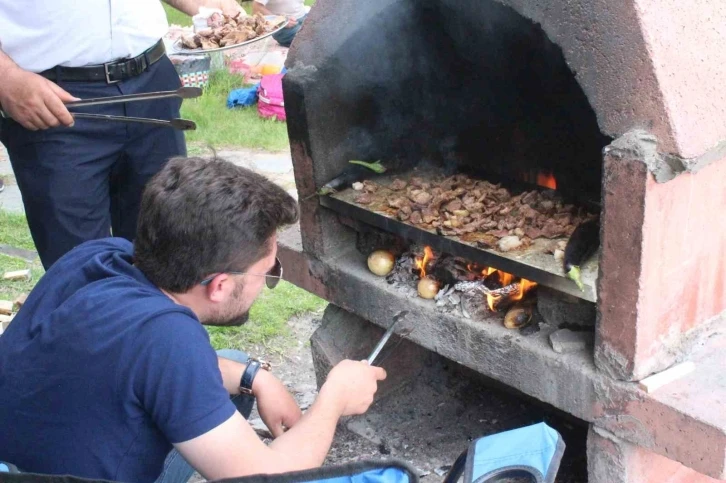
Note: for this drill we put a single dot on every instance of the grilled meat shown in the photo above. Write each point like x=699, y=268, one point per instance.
x=481, y=212
x=225, y=30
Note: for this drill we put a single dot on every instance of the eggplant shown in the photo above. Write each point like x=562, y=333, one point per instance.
x=582, y=244
x=357, y=171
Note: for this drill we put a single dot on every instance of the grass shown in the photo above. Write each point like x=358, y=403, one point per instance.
x=14, y=231
x=219, y=127
x=10, y=290
x=175, y=17
x=268, y=316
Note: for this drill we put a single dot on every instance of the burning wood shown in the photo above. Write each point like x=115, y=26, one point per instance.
x=505, y=290
x=460, y=286
x=547, y=180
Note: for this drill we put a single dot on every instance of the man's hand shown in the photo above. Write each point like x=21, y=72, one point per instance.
x=229, y=7
x=291, y=22
x=276, y=406
x=354, y=384
x=34, y=101
x=191, y=7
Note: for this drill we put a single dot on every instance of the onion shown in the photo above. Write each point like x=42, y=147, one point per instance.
x=428, y=288
x=518, y=316
x=381, y=262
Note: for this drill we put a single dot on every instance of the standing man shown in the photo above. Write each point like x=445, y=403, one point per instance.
x=294, y=10
x=83, y=180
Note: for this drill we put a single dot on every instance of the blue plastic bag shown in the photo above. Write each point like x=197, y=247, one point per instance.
x=243, y=97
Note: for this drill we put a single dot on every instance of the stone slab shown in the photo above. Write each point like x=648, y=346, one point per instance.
x=565, y=341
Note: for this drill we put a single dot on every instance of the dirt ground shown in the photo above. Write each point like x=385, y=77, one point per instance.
x=428, y=421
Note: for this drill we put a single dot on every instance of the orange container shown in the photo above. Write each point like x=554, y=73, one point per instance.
x=269, y=69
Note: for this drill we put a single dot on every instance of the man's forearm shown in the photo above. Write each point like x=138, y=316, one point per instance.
x=307, y=443
x=6, y=63
x=231, y=374
x=232, y=449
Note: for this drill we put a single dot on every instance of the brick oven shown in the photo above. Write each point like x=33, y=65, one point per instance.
x=624, y=105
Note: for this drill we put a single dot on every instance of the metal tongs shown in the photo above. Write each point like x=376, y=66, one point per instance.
x=180, y=124
x=379, y=347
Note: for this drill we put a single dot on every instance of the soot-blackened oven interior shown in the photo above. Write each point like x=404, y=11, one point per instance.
x=417, y=91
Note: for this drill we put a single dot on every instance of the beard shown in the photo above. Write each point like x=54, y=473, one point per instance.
x=234, y=314
x=228, y=320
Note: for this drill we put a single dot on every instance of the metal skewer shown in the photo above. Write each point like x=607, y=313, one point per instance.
x=377, y=350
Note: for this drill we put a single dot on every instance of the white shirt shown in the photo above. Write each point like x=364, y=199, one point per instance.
x=40, y=34
x=288, y=8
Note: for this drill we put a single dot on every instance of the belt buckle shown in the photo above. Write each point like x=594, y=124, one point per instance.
x=108, y=74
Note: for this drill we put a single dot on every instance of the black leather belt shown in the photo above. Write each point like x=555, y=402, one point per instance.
x=110, y=72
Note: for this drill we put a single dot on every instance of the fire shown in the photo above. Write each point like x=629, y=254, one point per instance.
x=519, y=286
x=546, y=180
x=504, y=278
x=524, y=287
x=421, y=263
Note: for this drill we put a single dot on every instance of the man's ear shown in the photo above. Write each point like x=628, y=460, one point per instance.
x=220, y=288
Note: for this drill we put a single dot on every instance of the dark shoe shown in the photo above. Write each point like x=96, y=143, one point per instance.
x=2, y=185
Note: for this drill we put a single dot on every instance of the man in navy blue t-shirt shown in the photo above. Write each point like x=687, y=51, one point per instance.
x=107, y=367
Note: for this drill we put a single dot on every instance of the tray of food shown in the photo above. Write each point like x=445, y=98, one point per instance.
x=533, y=232
x=226, y=32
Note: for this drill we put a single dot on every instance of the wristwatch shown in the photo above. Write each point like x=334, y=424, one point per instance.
x=248, y=376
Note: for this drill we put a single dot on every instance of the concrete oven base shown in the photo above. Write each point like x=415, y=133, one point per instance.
x=684, y=421
x=345, y=336
x=414, y=371
x=429, y=409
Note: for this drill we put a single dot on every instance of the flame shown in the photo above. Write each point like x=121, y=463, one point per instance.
x=421, y=263
x=507, y=279
x=524, y=287
x=503, y=279
x=546, y=180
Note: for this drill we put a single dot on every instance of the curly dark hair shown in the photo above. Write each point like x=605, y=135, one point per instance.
x=202, y=216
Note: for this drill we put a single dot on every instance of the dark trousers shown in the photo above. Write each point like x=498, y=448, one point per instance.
x=85, y=182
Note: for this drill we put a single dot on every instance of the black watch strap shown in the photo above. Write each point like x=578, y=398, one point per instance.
x=248, y=376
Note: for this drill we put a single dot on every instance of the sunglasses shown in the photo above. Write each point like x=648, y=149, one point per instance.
x=273, y=277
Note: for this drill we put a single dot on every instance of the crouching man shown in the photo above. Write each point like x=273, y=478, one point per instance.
x=106, y=372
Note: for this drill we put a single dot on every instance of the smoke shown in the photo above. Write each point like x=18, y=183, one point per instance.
x=459, y=84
